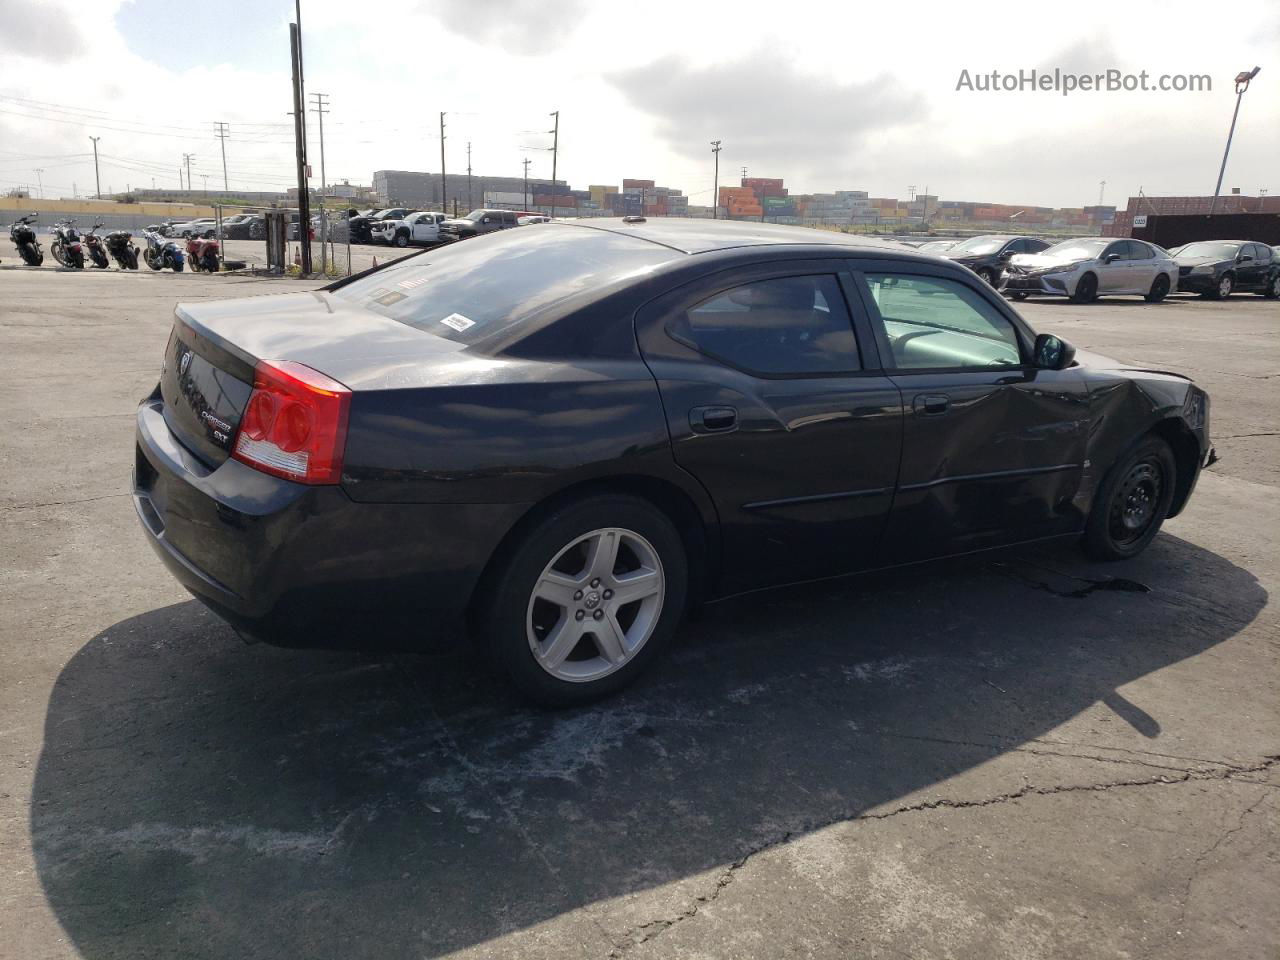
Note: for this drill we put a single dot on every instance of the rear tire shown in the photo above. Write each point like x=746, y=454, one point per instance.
x=1132, y=502
x=1017, y=296
x=1159, y=289
x=1086, y=289
x=1272, y=290
x=546, y=589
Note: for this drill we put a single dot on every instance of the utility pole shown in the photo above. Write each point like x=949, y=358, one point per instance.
x=444, y=182
x=525, y=202
x=555, y=153
x=206, y=183
x=187, y=158
x=715, y=184
x=470, y=203
x=300, y=150
x=320, y=109
x=1242, y=84
x=98, y=183
x=1102, y=186
x=222, y=135
x=40, y=181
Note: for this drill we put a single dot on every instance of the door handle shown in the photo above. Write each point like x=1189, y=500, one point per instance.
x=932, y=404
x=713, y=419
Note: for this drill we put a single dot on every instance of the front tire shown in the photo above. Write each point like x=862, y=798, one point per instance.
x=1159, y=289
x=585, y=600
x=402, y=240
x=988, y=276
x=1086, y=289
x=1017, y=296
x=1132, y=503
x=1226, y=285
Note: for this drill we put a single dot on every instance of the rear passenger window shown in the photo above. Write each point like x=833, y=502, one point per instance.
x=936, y=324
x=789, y=326
x=1139, y=251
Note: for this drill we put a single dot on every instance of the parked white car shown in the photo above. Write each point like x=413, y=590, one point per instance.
x=204, y=227
x=533, y=218
x=420, y=227
x=1088, y=268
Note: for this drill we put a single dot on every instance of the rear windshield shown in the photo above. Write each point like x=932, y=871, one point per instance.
x=472, y=289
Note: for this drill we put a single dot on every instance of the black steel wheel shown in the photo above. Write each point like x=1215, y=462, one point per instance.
x=1159, y=289
x=1132, y=503
x=1086, y=289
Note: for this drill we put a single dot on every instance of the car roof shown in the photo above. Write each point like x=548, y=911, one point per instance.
x=693, y=236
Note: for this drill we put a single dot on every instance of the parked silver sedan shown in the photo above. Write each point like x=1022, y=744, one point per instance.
x=1090, y=267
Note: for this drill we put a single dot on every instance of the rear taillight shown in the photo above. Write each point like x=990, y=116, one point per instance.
x=295, y=423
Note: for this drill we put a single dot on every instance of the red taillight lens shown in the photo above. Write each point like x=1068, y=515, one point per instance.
x=295, y=423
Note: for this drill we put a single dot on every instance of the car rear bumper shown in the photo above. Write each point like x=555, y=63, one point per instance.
x=305, y=565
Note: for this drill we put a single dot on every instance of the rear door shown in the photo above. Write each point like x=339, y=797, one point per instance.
x=1143, y=266
x=776, y=403
x=993, y=447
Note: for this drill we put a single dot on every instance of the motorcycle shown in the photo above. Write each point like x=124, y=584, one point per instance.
x=24, y=238
x=97, y=251
x=203, y=254
x=120, y=246
x=162, y=253
x=66, y=247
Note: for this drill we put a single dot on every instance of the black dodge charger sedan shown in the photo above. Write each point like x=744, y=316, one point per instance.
x=555, y=441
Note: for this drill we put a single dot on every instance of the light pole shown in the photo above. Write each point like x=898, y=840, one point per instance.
x=98, y=183
x=715, y=184
x=187, y=158
x=525, y=202
x=40, y=180
x=1242, y=84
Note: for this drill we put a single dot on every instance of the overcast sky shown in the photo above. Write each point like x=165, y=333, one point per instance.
x=828, y=95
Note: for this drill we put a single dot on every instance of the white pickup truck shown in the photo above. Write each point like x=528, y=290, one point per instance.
x=421, y=227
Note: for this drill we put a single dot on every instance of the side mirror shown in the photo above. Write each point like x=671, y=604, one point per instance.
x=1053, y=353
x=1243, y=258
x=1111, y=258
x=1006, y=254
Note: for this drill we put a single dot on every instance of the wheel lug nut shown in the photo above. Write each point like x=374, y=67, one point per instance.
x=595, y=582
x=598, y=615
x=577, y=594
x=608, y=594
x=579, y=615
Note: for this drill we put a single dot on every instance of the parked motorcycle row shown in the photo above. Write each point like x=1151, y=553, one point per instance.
x=76, y=250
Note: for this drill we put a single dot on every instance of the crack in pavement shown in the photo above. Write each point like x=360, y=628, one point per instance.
x=1198, y=865
x=62, y=503
x=650, y=929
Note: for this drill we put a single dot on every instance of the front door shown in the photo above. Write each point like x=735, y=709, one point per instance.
x=993, y=447
x=775, y=403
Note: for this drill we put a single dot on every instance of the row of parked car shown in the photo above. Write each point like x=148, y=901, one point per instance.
x=1086, y=268
x=403, y=227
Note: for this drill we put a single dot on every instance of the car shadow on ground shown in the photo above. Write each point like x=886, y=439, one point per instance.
x=199, y=798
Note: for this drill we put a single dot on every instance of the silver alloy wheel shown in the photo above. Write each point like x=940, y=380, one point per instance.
x=595, y=605
x=1225, y=285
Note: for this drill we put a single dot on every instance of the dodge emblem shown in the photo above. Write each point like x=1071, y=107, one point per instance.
x=184, y=363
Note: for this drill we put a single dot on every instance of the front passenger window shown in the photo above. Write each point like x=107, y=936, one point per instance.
x=937, y=324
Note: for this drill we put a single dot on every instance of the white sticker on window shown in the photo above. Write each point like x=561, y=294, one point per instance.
x=458, y=321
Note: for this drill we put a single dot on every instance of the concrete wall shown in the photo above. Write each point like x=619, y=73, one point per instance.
x=114, y=216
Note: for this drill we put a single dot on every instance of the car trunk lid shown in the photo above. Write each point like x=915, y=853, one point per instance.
x=208, y=369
